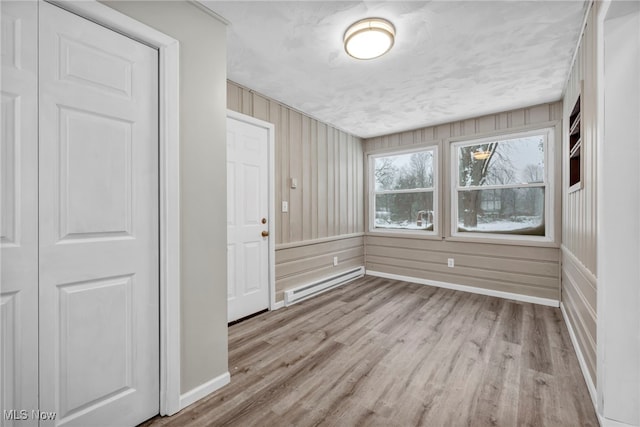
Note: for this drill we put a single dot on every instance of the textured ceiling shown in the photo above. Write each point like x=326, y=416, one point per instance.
x=451, y=60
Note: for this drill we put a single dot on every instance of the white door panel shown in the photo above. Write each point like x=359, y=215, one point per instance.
x=99, y=301
x=19, y=213
x=247, y=206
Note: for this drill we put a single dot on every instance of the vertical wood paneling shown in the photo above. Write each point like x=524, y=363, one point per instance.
x=336, y=184
x=468, y=127
x=327, y=163
x=313, y=160
x=579, y=218
x=350, y=186
x=233, y=97
x=356, y=186
x=260, y=107
x=359, y=161
x=487, y=124
x=521, y=270
x=406, y=138
x=274, y=117
x=538, y=269
x=344, y=179
x=538, y=114
x=246, y=103
x=295, y=171
x=284, y=171
x=331, y=185
x=329, y=199
x=305, y=180
x=305, y=263
x=518, y=118
x=323, y=217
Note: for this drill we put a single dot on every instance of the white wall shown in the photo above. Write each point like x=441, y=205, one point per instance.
x=619, y=223
x=203, y=186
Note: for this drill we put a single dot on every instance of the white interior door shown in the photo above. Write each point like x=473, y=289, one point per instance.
x=247, y=218
x=19, y=212
x=99, y=263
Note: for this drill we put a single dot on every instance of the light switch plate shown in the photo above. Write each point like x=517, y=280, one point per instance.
x=285, y=206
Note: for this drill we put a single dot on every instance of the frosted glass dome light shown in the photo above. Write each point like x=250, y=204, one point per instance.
x=369, y=38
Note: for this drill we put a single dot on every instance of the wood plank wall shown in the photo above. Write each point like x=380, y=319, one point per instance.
x=579, y=287
x=327, y=204
x=527, y=270
x=312, y=260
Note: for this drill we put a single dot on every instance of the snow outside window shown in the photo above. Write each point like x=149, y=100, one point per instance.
x=502, y=186
x=404, y=191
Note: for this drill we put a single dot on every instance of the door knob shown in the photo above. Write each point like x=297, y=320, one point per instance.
x=264, y=220
x=265, y=233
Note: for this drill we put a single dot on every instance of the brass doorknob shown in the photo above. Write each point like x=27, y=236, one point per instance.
x=265, y=233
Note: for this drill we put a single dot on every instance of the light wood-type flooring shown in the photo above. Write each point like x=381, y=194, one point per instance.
x=379, y=352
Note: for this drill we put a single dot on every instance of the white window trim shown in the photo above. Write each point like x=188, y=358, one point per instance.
x=549, y=186
x=372, y=191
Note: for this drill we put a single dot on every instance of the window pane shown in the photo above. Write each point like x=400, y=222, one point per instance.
x=410, y=211
x=505, y=211
x=404, y=171
x=511, y=161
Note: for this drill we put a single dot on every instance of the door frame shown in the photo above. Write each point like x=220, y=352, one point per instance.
x=270, y=128
x=169, y=183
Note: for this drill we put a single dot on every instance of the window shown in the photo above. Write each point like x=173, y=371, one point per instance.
x=403, y=196
x=502, y=186
x=575, y=147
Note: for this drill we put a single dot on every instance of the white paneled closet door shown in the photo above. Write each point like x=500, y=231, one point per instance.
x=19, y=213
x=80, y=218
x=99, y=256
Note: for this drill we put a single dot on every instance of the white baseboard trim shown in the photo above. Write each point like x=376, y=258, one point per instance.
x=277, y=305
x=581, y=361
x=608, y=422
x=202, y=390
x=464, y=288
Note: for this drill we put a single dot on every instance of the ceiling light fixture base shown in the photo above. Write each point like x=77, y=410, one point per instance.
x=369, y=38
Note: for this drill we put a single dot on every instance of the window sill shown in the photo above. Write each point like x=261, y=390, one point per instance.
x=408, y=234
x=575, y=187
x=542, y=242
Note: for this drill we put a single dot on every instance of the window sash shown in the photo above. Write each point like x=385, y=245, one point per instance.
x=544, y=133
x=549, y=177
x=412, y=190
x=501, y=187
x=405, y=229
x=373, y=193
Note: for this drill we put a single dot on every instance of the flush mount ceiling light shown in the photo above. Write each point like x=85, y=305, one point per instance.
x=369, y=38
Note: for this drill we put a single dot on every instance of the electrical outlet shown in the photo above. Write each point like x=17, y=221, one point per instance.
x=285, y=206
x=450, y=262
x=335, y=261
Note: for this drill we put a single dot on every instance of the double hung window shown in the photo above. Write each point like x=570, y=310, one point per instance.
x=502, y=186
x=404, y=196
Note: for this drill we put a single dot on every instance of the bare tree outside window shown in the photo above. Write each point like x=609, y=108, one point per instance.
x=501, y=186
x=404, y=191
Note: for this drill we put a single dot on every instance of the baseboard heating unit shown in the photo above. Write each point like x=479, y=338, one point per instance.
x=309, y=290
